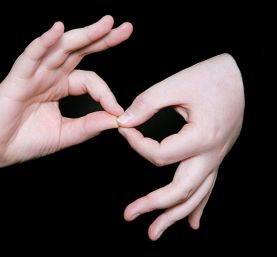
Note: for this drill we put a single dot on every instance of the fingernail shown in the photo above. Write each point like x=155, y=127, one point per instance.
x=125, y=118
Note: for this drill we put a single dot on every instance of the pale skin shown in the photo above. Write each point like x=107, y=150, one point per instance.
x=31, y=122
x=210, y=97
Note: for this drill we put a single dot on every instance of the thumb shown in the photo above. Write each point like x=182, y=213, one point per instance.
x=76, y=131
x=148, y=103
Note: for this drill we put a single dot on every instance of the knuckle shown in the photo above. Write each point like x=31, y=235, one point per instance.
x=160, y=159
x=142, y=101
x=90, y=75
x=184, y=191
x=186, y=194
x=76, y=56
x=40, y=41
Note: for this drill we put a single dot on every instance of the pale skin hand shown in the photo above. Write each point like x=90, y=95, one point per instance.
x=210, y=97
x=30, y=121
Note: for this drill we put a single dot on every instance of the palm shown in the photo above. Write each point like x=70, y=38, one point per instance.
x=38, y=132
x=32, y=122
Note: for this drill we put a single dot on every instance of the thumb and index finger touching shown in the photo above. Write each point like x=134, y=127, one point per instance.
x=173, y=148
x=81, y=82
x=78, y=130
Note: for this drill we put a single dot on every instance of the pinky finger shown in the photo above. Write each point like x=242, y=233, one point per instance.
x=195, y=216
x=180, y=211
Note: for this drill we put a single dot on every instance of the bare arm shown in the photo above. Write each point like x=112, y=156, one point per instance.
x=31, y=124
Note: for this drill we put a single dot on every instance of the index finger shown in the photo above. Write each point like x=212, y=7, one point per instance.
x=172, y=149
x=77, y=39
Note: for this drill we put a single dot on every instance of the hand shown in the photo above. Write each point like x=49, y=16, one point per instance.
x=210, y=97
x=31, y=124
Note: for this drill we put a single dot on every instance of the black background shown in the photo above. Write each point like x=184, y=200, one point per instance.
x=74, y=200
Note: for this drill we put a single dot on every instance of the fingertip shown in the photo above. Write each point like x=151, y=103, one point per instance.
x=58, y=26
x=194, y=222
x=195, y=226
x=126, y=29
x=108, y=19
x=131, y=212
x=56, y=31
x=50, y=37
x=153, y=234
x=111, y=106
x=119, y=110
x=101, y=120
x=128, y=26
x=152, y=237
x=116, y=111
x=120, y=129
x=127, y=215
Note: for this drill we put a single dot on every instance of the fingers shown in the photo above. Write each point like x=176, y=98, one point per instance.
x=28, y=62
x=165, y=93
x=188, y=142
x=77, y=39
x=54, y=48
x=82, y=82
x=195, y=216
x=170, y=216
x=161, y=198
x=115, y=37
x=189, y=176
x=40, y=46
x=75, y=131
